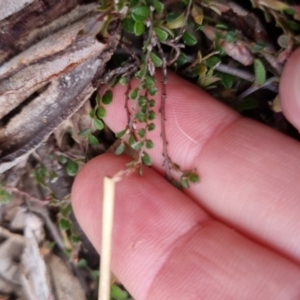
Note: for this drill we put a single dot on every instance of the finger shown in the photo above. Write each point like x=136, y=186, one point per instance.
x=290, y=89
x=166, y=247
x=249, y=173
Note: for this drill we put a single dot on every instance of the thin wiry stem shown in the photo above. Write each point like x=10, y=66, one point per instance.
x=162, y=110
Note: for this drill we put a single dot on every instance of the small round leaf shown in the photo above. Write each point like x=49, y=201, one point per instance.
x=107, y=97
x=72, y=168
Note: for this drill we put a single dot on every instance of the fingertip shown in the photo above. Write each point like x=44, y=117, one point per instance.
x=289, y=89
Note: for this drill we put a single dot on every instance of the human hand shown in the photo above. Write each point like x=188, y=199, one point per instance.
x=233, y=236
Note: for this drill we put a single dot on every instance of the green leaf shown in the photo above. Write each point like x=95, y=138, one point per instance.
x=134, y=93
x=260, y=72
x=99, y=125
x=140, y=13
x=152, y=103
x=123, y=81
x=142, y=101
x=66, y=210
x=258, y=47
x=174, y=23
x=156, y=60
x=184, y=182
x=93, y=140
x=121, y=133
x=189, y=39
x=62, y=159
x=149, y=144
x=159, y=7
x=137, y=145
x=231, y=36
x=151, y=115
x=133, y=3
x=92, y=113
x=117, y=293
x=212, y=61
x=85, y=132
x=120, y=149
x=227, y=80
x=146, y=159
x=75, y=238
x=141, y=132
x=82, y=263
x=5, y=197
x=193, y=178
x=139, y=28
x=141, y=117
x=182, y=59
x=131, y=140
x=151, y=127
x=150, y=81
x=64, y=224
x=107, y=97
x=152, y=90
x=128, y=25
x=101, y=112
x=72, y=168
x=221, y=26
x=161, y=34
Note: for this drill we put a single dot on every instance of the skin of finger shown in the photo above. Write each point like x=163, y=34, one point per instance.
x=249, y=172
x=289, y=89
x=166, y=247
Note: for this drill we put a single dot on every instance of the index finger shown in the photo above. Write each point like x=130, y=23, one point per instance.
x=249, y=172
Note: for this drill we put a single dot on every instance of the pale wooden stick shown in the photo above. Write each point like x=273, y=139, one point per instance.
x=107, y=230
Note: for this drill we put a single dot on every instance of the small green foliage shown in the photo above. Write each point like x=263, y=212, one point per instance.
x=212, y=61
x=152, y=90
x=134, y=94
x=141, y=117
x=5, y=197
x=121, y=133
x=146, y=159
x=99, y=125
x=151, y=127
x=161, y=34
x=92, y=140
x=82, y=263
x=175, y=21
x=227, y=80
x=85, y=132
x=64, y=224
x=139, y=28
x=120, y=149
x=72, y=168
x=101, y=112
x=151, y=115
x=260, y=72
x=142, y=101
x=62, y=159
x=156, y=60
x=231, y=36
x=159, y=7
x=189, y=39
x=128, y=25
x=149, y=144
x=140, y=13
x=117, y=293
x=75, y=238
x=141, y=132
x=258, y=47
x=107, y=97
x=123, y=81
